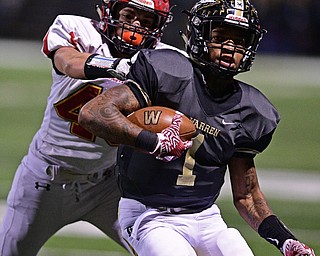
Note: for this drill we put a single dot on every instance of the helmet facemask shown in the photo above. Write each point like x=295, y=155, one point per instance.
x=208, y=15
x=126, y=37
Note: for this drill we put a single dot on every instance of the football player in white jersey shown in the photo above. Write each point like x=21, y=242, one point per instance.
x=67, y=175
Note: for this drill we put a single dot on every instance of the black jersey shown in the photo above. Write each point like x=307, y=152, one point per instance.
x=239, y=125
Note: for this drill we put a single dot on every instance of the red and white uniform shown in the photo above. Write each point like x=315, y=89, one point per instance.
x=67, y=175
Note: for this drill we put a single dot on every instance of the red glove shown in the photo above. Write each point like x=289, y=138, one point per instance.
x=170, y=146
x=295, y=248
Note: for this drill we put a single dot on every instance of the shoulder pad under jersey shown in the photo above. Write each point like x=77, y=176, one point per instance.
x=171, y=67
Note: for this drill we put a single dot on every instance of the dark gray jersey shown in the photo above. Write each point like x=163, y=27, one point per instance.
x=240, y=125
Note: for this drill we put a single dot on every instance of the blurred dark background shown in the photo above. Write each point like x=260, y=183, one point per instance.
x=292, y=24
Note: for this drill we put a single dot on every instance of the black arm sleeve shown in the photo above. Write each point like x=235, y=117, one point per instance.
x=274, y=231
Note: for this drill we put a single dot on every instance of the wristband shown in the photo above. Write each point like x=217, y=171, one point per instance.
x=274, y=231
x=146, y=140
x=97, y=66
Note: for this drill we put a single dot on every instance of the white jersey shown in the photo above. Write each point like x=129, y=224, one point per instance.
x=61, y=141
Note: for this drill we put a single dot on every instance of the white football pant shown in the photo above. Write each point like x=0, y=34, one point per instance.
x=151, y=232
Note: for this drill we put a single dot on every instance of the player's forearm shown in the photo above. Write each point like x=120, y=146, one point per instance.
x=253, y=208
x=275, y=232
x=105, y=116
x=81, y=65
x=247, y=196
x=70, y=62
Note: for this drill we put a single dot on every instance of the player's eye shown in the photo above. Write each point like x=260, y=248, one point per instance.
x=217, y=39
x=147, y=23
x=127, y=17
x=241, y=41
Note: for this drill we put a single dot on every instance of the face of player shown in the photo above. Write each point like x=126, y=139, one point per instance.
x=226, y=46
x=139, y=18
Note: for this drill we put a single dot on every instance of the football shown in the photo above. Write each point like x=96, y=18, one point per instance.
x=157, y=118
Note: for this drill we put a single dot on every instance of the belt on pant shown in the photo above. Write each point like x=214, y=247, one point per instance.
x=178, y=210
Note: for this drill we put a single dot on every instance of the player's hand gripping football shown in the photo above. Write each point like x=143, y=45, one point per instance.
x=170, y=146
x=295, y=248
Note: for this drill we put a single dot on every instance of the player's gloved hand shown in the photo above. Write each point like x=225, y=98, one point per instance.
x=170, y=146
x=295, y=248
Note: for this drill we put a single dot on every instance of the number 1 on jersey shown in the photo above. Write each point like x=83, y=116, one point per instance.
x=187, y=178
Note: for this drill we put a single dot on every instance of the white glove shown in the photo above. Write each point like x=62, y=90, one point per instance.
x=170, y=146
x=295, y=248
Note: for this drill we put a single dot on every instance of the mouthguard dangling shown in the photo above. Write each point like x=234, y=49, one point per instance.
x=132, y=38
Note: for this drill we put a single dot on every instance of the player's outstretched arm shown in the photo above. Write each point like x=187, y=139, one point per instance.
x=81, y=65
x=70, y=62
x=253, y=207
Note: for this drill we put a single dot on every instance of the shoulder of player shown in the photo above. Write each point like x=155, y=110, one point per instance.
x=262, y=110
x=68, y=18
x=82, y=25
x=78, y=27
x=252, y=93
x=169, y=64
x=168, y=59
x=161, y=46
x=166, y=52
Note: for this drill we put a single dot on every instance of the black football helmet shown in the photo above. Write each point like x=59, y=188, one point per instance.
x=206, y=15
x=132, y=37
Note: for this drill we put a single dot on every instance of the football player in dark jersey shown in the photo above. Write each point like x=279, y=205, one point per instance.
x=168, y=201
